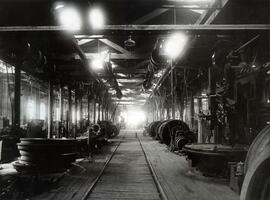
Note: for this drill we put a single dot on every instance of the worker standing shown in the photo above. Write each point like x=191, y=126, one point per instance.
x=93, y=134
x=90, y=144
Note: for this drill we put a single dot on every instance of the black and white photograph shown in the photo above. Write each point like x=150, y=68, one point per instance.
x=134, y=99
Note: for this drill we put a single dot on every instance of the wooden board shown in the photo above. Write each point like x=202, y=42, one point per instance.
x=178, y=181
x=127, y=175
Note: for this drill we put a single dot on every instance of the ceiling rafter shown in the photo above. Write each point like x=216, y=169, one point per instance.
x=114, y=46
x=85, y=41
x=213, y=10
x=147, y=28
x=216, y=12
x=117, y=56
x=155, y=13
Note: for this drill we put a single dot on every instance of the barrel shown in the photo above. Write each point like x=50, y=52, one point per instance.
x=45, y=155
x=165, y=129
x=152, y=128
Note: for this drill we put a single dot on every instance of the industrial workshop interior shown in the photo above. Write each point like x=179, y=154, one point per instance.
x=134, y=100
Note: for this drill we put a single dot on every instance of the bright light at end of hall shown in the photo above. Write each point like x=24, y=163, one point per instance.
x=69, y=18
x=134, y=117
x=175, y=45
x=96, y=18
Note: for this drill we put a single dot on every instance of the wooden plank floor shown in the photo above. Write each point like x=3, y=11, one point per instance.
x=76, y=182
x=178, y=181
x=127, y=176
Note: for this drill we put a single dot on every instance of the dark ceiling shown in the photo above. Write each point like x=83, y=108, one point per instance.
x=62, y=50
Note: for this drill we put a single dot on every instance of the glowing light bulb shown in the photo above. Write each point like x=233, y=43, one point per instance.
x=96, y=18
x=70, y=18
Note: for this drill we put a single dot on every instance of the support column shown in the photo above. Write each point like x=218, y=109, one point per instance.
x=172, y=91
x=69, y=112
x=191, y=110
x=107, y=112
x=81, y=110
x=17, y=97
x=94, y=103
x=61, y=102
x=102, y=111
x=76, y=111
x=168, y=110
x=98, y=109
x=212, y=104
x=50, y=110
x=200, y=130
x=88, y=106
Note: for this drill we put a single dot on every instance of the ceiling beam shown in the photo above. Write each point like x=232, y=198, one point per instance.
x=150, y=15
x=120, y=77
x=189, y=7
x=187, y=2
x=137, y=87
x=164, y=28
x=214, y=14
x=212, y=11
x=129, y=71
x=85, y=41
x=133, y=80
x=116, y=56
x=88, y=36
x=114, y=46
x=205, y=13
x=213, y=29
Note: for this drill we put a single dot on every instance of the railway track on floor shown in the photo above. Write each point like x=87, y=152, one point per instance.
x=127, y=174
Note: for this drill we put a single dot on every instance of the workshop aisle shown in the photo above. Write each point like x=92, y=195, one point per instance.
x=178, y=182
x=127, y=176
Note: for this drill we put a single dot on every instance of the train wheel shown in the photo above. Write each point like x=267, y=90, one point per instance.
x=256, y=184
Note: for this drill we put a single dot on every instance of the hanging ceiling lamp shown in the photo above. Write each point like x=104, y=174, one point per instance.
x=129, y=43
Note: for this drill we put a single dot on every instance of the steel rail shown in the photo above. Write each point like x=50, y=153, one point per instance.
x=92, y=186
x=160, y=189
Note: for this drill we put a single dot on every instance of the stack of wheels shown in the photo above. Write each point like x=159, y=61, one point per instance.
x=153, y=129
x=108, y=129
x=150, y=133
x=180, y=138
x=45, y=155
x=256, y=183
x=165, y=130
x=179, y=142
